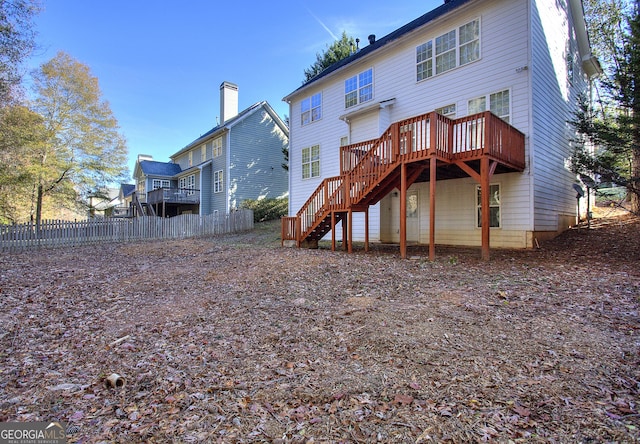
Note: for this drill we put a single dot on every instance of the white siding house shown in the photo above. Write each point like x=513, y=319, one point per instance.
x=525, y=61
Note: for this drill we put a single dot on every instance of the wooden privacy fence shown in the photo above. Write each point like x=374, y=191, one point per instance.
x=55, y=233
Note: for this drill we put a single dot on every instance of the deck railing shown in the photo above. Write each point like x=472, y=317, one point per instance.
x=365, y=164
x=174, y=195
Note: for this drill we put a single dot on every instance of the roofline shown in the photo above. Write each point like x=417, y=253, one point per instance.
x=245, y=113
x=421, y=21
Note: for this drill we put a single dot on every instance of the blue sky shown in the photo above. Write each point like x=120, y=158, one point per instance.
x=160, y=63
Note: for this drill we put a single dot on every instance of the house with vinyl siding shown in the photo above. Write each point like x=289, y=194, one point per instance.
x=239, y=159
x=450, y=130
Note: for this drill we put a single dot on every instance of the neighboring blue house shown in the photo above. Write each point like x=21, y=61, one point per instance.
x=239, y=159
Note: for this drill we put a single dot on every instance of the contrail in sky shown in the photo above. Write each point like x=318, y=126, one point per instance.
x=322, y=24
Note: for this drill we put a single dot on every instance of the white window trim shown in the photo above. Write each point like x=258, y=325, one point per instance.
x=310, y=162
x=218, y=181
x=359, y=88
x=160, y=183
x=487, y=98
x=433, y=57
x=477, y=205
x=216, y=150
x=313, y=117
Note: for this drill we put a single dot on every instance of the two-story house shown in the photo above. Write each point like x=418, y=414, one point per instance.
x=450, y=130
x=239, y=159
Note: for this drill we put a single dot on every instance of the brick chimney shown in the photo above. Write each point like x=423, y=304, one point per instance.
x=228, y=101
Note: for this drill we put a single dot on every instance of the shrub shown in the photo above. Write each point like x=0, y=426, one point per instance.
x=266, y=209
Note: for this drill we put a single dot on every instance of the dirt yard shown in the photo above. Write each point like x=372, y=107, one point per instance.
x=236, y=340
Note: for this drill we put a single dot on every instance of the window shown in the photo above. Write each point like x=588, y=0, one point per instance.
x=447, y=111
x=157, y=183
x=447, y=51
x=311, y=109
x=469, y=42
x=217, y=147
x=218, y=185
x=311, y=162
x=498, y=105
x=424, y=54
x=358, y=89
x=203, y=153
x=190, y=158
x=188, y=184
x=494, y=206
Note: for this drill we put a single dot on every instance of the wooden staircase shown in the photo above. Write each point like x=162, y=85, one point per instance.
x=370, y=170
x=141, y=208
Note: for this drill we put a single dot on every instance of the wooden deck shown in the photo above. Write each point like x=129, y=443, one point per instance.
x=479, y=145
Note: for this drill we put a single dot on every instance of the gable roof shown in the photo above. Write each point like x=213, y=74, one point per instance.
x=154, y=168
x=127, y=189
x=230, y=123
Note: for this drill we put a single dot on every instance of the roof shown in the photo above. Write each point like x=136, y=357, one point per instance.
x=226, y=125
x=430, y=16
x=127, y=189
x=153, y=168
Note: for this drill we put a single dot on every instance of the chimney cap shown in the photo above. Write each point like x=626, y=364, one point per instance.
x=372, y=39
x=226, y=84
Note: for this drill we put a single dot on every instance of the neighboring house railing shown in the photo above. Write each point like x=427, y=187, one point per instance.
x=173, y=195
x=67, y=234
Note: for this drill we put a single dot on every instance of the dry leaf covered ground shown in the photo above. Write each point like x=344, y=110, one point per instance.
x=234, y=339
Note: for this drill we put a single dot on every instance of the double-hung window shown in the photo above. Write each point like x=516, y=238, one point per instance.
x=218, y=184
x=311, y=109
x=311, y=162
x=216, y=150
x=358, y=89
x=494, y=206
x=449, y=50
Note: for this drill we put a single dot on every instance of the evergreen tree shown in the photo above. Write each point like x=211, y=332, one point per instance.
x=340, y=49
x=612, y=127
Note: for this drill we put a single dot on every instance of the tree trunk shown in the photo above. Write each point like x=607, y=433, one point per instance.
x=39, y=208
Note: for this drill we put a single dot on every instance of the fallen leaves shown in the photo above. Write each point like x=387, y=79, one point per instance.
x=287, y=345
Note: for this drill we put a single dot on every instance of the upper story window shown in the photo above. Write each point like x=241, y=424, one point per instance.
x=158, y=183
x=217, y=147
x=190, y=158
x=447, y=51
x=358, y=89
x=311, y=162
x=498, y=105
x=311, y=109
x=203, y=153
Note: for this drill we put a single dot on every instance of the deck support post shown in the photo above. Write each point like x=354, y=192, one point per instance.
x=432, y=208
x=485, y=180
x=350, y=228
x=344, y=233
x=403, y=210
x=333, y=231
x=366, y=229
